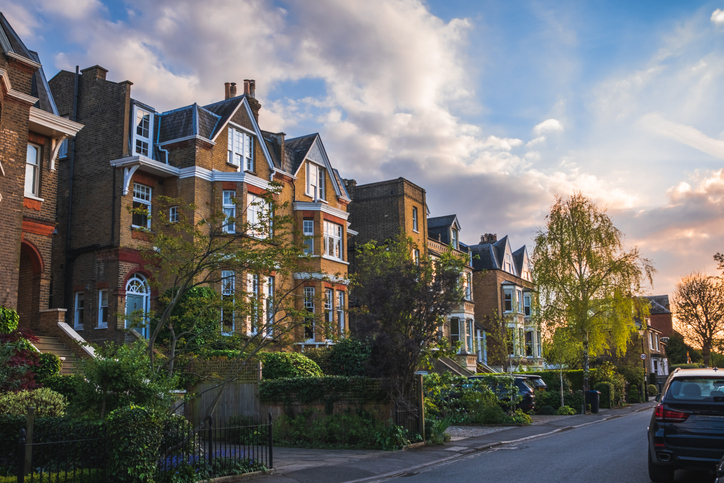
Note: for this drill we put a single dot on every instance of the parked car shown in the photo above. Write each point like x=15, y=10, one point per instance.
x=527, y=392
x=537, y=382
x=687, y=426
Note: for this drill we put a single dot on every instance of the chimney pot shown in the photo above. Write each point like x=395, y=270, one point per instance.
x=246, y=87
x=227, y=90
x=252, y=88
x=232, y=90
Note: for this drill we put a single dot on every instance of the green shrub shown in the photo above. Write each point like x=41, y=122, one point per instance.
x=457, y=398
x=67, y=385
x=633, y=395
x=546, y=410
x=46, y=402
x=74, y=476
x=685, y=366
x=566, y=411
x=492, y=414
x=634, y=375
x=552, y=379
x=348, y=357
x=135, y=435
x=437, y=431
x=279, y=365
x=9, y=320
x=49, y=367
x=653, y=390
x=607, y=391
x=326, y=389
x=197, y=313
x=574, y=400
x=518, y=417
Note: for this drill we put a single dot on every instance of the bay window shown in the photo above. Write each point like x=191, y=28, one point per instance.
x=333, y=240
x=340, y=312
x=142, y=206
x=308, y=231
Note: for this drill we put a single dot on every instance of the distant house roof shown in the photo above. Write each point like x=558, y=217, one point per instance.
x=11, y=43
x=659, y=304
x=490, y=255
x=439, y=226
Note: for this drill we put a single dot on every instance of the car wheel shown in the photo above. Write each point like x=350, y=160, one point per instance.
x=660, y=473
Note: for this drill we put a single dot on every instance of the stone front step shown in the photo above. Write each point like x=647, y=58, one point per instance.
x=55, y=346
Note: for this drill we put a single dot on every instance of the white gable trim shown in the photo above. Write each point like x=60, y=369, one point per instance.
x=256, y=131
x=327, y=165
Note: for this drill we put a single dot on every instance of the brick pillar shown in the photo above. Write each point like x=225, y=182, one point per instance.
x=49, y=320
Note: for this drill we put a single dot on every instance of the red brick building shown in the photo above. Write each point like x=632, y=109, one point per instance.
x=32, y=131
x=129, y=154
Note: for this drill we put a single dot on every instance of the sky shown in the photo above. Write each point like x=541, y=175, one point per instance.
x=493, y=107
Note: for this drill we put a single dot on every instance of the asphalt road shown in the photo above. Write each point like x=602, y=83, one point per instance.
x=611, y=451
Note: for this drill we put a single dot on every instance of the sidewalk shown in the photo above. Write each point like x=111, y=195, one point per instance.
x=332, y=466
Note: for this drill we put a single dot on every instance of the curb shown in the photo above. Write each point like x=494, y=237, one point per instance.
x=491, y=445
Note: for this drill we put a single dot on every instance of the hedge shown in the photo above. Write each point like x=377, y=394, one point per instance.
x=278, y=365
x=607, y=392
x=326, y=389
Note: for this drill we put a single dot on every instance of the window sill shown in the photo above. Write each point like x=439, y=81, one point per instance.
x=236, y=166
x=33, y=197
x=101, y=327
x=332, y=259
x=77, y=328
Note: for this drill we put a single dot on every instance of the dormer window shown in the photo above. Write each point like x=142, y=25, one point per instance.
x=143, y=131
x=508, y=263
x=454, y=238
x=240, y=147
x=315, y=181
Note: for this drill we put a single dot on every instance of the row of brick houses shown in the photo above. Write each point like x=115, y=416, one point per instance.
x=79, y=151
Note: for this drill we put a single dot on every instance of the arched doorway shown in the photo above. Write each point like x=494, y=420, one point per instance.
x=138, y=300
x=31, y=270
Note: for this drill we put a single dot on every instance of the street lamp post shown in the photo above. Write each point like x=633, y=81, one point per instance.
x=644, y=390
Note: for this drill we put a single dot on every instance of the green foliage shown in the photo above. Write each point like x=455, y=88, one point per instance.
x=566, y=411
x=326, y=389
x=677, y=349
x=634, y=375
x=633, y=395
x=349, y=429
x=9, y=320
x=607, y=393
x=119, y=376
x=437, y=430
x=608, y=373
x=685, y=366
x=652, y=390
x=402, y=306
x=67, y=385
x=547, y=410
x=457, y=398
x=278, y=365
x=553, y=380
x=45, y=401
x=493, y=414
x=135, y=434
x=76, y=476
x=518, y=417
x=348, y=357
x=193, y=321
x=18, y=361
x=49, y=367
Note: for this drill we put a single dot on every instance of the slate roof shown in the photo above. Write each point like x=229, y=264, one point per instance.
x=187, y=121
x=659, y=304
x=11, y=42
x=440, y=225
x=297, y=149
x=490, y=255
x=519, y=258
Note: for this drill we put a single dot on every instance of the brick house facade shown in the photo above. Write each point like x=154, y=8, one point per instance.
x=213, y=155
x=503, y=288
x=32, y=133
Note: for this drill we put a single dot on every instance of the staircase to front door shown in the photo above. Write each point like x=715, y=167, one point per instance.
x=55, y=346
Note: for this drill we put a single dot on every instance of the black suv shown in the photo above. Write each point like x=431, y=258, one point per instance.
x=687, y=427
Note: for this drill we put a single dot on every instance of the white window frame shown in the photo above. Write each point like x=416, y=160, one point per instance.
x=32, y=170
x=340, y=312
x=228, y=290
x=240, y=149
x=316, y=180
x=455, y=332
x=103, y=309
x=470, y=336
x=415, y=221
x=138, y=285
x=269, y=303
x=468, y=281
x=228, y=204
x=256, y=312
x=508, y=294
x=454, y=238
x=173, y=214
x=416, y=256
x=309, y=307
x=519, y=301
x=308, y=232
x=142, y=195
x=79, y=309
x=257, y=215
x=333, y=245
x=651, y=341
x=142, y=134
x=328, y=311
x=527, y=311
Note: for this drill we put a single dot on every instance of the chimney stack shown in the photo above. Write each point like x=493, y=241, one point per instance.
x=246, y=87
x=226, y=90
x=250, y=92
x=489, y=238
x=232, y=90
x=252, y=88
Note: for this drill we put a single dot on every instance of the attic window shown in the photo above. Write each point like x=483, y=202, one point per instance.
x=240, y=147
x=142, y=131
x=454, y=238
x=315, y=181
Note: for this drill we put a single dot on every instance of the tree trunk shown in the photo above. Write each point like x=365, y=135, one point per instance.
x=585, y=371
x=706, y=353
x=562, y=399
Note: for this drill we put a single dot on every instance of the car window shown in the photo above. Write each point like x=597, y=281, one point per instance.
x=696, y=389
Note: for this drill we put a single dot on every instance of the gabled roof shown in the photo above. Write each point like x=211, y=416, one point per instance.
x=439, y=226
x=659, y=304
x=520, y=256
x=310, y=147
x=490, y=256
x=11, y=43
x=186, y=121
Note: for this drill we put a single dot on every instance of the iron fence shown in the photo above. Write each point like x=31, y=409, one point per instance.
x=408, y=416
x=201, y=453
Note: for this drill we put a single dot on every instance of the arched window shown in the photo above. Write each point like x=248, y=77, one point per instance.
x=138, y=298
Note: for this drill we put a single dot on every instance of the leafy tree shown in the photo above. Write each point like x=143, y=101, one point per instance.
x=402, y=308
x=587, y=280
x=698, y=304
x=562, y=350
x=501, y=341
x=195, y=251
x=677, y=350
x=18, y=361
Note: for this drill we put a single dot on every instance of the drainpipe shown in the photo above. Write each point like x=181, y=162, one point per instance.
x=68, y=259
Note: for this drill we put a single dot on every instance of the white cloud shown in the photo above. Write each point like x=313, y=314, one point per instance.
x=547, y=126
x=717, y=17
x=688, y=135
